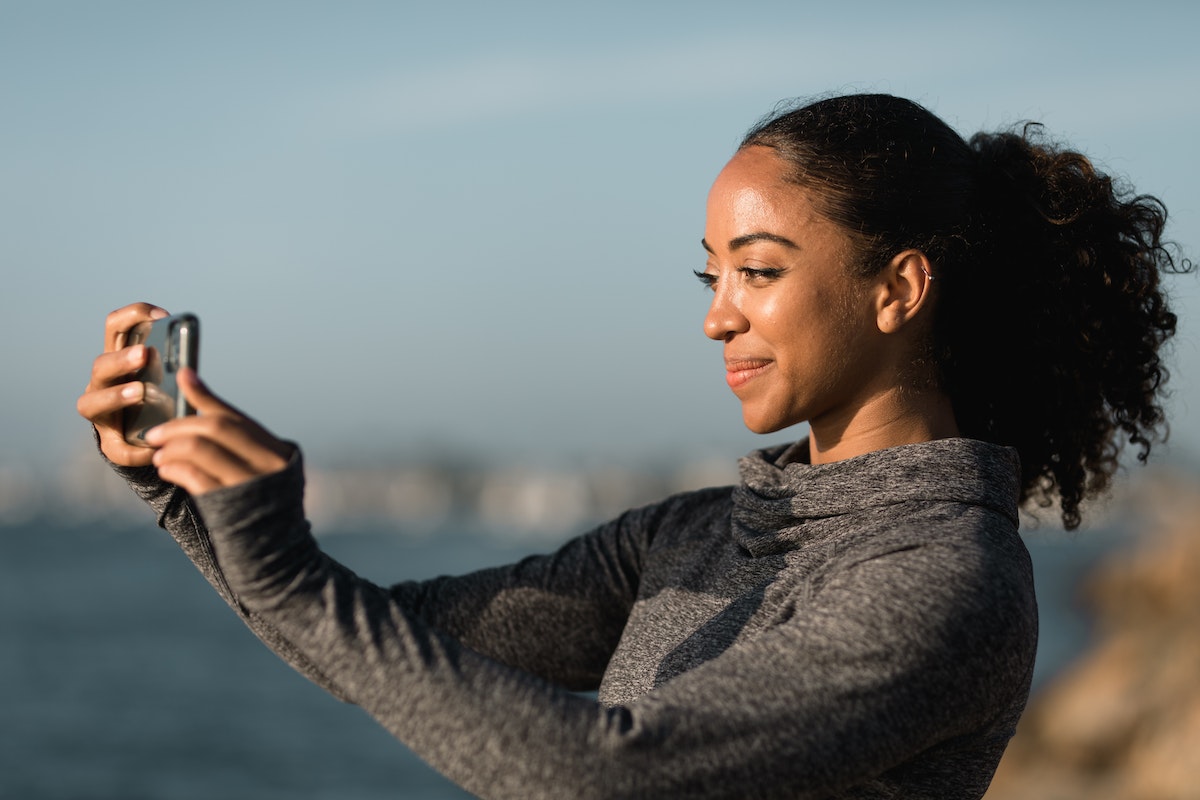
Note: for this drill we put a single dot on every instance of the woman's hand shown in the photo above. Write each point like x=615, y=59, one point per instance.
x=112, y=387
x=220, y=447
x=217, y=448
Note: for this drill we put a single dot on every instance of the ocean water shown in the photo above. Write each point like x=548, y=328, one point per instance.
x=124, y=676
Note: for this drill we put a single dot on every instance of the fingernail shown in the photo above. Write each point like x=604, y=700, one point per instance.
x=136, y=352
x=158, y=313
x=151, y=436
x=132, y=392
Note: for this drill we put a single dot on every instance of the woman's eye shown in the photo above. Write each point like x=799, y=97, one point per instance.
x=705, y=278
x=760, y=273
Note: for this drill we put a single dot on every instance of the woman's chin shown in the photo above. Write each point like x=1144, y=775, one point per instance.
x=761, y=424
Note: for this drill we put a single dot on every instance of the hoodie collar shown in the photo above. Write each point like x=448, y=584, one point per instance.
x=780, y=492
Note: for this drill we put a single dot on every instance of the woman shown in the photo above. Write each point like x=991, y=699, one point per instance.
x=966, y=327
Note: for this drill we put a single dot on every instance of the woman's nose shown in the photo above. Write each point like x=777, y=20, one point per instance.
x=724, y=318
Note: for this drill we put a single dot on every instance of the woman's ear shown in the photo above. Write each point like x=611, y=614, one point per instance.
x=902, y=290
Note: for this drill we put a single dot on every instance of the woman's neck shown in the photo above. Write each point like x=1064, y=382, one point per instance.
x=887, y=420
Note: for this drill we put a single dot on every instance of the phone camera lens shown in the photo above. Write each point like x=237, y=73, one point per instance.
x=171, y=360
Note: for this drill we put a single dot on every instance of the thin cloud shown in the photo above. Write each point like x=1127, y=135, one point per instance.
x=506, y=85
x=503, y=85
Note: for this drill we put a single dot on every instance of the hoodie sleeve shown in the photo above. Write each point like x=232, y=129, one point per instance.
x=558, y=616
x=176, y=513
x=850, y=686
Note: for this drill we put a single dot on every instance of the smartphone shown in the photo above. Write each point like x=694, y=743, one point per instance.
x=171, y=343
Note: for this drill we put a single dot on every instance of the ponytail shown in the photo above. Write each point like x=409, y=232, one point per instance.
x=1068, y=368
x=1049, y=314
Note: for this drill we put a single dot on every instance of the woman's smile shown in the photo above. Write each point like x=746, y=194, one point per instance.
x=739, y=372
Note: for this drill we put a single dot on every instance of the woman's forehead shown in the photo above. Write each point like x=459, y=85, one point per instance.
x=753, y=195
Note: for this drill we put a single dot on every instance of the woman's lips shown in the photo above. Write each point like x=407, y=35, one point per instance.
x=739, y=372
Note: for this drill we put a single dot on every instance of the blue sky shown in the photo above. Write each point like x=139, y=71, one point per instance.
x=472, y=226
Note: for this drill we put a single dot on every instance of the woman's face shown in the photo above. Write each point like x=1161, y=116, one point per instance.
x=800, y=333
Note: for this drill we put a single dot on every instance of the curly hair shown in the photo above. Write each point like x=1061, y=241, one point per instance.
x=1049, y=317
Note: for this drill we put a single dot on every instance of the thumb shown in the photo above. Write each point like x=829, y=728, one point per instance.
x=198, y=395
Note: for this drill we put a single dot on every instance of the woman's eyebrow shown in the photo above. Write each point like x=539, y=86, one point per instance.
x=750, y=238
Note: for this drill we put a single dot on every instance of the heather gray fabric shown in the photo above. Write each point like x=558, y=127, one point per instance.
x=862, y=629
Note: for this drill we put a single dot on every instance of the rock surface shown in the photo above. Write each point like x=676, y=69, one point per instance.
x=1123, y=723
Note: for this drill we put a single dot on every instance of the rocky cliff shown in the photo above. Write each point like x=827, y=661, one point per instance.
x=1123, y=723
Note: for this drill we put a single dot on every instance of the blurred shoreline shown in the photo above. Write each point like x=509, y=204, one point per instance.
x=521, y=501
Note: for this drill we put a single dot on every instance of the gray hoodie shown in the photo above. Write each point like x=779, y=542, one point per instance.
x=860, y=629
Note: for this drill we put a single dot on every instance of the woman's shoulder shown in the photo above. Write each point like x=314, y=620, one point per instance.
x=682, y=516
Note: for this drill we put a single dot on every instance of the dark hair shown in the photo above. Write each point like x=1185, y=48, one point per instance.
x=1049, y=316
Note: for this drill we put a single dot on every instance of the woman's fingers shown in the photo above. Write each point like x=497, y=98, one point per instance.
x=110, y=389
x=121, y=452
x=201, y=397
x=97, y=404
x=116, y=367
x=118, y=324
x=218, y=447
x=104, y=408
x=200, y=463
x=189, y=477
x=241, y=438
x=108, y=394
x=204, y=453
